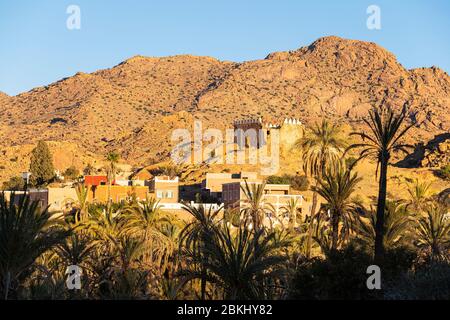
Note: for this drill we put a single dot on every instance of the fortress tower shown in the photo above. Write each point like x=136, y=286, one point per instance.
x=290, y=130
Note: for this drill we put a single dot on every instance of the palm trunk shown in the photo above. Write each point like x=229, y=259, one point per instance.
x=311, y=224
x=7, y=284
x=203, y=284
x=381, y=205
x=334, y=230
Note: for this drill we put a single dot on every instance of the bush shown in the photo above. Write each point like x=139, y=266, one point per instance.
x=14, y=184
x=299, y=183
x=444, y=172
x=341, y=276
x=71, y=173
x=430, y=282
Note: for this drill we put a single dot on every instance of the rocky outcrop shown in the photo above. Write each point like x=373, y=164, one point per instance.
x=438, y=155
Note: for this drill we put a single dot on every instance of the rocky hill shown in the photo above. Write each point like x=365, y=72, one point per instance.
x=134, y=106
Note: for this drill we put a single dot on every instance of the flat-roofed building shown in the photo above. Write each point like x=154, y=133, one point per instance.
x=277, y=195
x=165, y=189
x=99, y=193
x=95, y=180
x=60, y=199
x=35, y=195
x=213, y=182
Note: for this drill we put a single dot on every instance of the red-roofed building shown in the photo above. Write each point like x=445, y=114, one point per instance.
x=95, y=180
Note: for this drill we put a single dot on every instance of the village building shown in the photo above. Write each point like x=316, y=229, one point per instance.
x=165, y=189
x=99, y=194
x=95, y=180
x=278, y=195
x=142, y=175
x=213, y=182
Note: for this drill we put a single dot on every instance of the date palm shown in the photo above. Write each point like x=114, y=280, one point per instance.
x=82, y=196
x=291, y=209
x=396, y=225
x=253, y=206
x=336, y=188
x=321, y=146
x=194, y=236
x=26, y=232
x=419, y=194
x=112, y=158
x=384, y=136
x=242, y=261
x=433, y=231
x=145, y=220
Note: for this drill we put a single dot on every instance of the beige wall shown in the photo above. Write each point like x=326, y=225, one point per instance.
x=118, y=193
x=165, y=190
x=58, y=197
x=215, y=181
x=277, y=195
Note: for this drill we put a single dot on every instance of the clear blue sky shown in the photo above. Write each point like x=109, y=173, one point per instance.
x=36, y=48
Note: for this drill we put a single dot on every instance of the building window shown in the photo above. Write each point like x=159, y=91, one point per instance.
x=169, y=194
x=159, y=194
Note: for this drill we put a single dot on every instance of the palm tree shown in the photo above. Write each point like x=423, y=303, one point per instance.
x=106, y=224
x=113, y=159
x=145, y=219
x=82, y=196
x=129, y=279
x=291, y=209
x=194, y=236
x=419, y=195
x=253, y=205
x=244, y=263
x=321, y=146
x=382, y=139
x=433, y=231
x=396, y=226
x=89, y=170
x=26, y=232
x=336, y=187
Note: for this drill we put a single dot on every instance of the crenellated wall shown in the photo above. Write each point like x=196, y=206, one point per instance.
x=290, y=130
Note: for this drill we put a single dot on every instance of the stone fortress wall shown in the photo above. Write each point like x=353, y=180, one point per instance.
x=290, y=131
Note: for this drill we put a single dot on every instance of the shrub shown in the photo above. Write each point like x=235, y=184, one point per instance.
x=71, y=173
x=430, y=282
x=341, y=276
x=297, y=182
x=13, y=184
x=444, y=172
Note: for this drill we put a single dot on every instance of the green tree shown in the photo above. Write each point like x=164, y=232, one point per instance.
x=194, y=236
x=337, y=187
x=13, y=184
x=419, y=195
x=253, y=206
x=384, y=136
x=321, y=147
x=145, y=220
x=113, y=158
x=41, y=166
x=26, y=232
x=71, y=173
x=243, y=263
x=433, y=231
x=291, y=209
x=396, y=225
